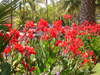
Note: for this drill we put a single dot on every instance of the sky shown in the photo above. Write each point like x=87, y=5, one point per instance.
x=42, y=4
x=48, y=1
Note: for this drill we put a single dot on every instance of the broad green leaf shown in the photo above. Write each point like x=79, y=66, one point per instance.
x=86, y=66
x=2, y=27
x=5, y=68
x=96, y=69
x=53, y=61
x=81, y=73
x=37, y=70
x=5, y=44
x=42, y=45
x=40, y=65
x=48, y=60
x=7, y=6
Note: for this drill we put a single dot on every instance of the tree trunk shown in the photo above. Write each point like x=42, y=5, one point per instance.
x=32, y=15
x=23, y=9
x=47, y=8
x=11, y=15
x=87, y=11
x=60, y=17
x=54, y=10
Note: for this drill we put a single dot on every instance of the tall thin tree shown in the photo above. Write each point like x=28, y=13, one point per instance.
x=11, y=14
x=32, y=5
x=53, y=8
x=47, y=8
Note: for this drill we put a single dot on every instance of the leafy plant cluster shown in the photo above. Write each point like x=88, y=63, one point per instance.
x=60, y=50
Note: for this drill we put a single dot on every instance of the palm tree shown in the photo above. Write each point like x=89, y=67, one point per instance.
x=44, y=2
x=47, y=8
x=5, y=10
x=53, y=8
x=70, y=7
x=11, y=14
x=24, y=3
x=87, y=11
x=32, y=5
x=18, y=16
x=86, y=5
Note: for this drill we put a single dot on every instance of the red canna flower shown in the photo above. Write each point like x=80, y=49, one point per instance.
x=84, y=55
x=89, y=37
x=23, y=62
x=1, y=56
x=57, y=25
x=26, y=65
x=30, y=31
x=22, y=37
x=95, y=34
x=86, y=61
x=15, y=36
x=24, y=30
x=65, y=51
x=64, y=44
x=67, y=16
x=94, y=59
x=90, y=53
x=81, y=64
x=46, y=37
x=63, y=30
x=7, y=49
x=81, y=44
x=8, y=25
x=30, y=35
x=52, y=32
x=1, y=35
x=42, y=25
x=57, y=43
x=27, y=41
x=19, y=47
x=74, y=24
x=71, y=58
x=29, y=24
x=6, y=37
x=30, y=50
x=32, y=68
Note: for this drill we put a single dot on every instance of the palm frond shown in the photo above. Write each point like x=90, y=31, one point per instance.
x=5, y=10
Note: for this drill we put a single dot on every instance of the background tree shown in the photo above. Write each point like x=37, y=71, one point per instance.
x=53, y=3
x=5, y=10
x=87, y=11
x=47, y=8
x=71, y=7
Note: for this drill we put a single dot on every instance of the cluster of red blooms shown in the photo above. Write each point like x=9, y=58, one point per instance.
x=66, y=17
x=7, y=24
x=27, y=30
x=71, y=43
x=29, y=24
x=7, y=49
x=30, y=50
x=25, y=65
x=15, y=41
x=42, y=25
